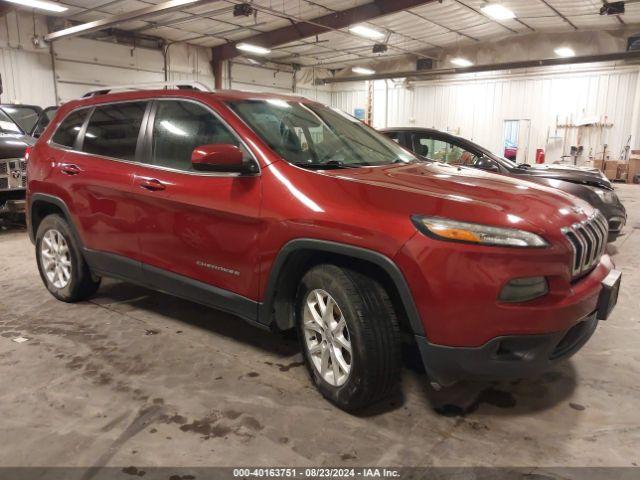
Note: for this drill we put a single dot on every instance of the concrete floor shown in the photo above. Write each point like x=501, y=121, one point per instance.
x=137, y=378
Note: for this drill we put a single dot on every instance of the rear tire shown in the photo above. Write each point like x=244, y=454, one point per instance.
x=350, y=336
x=62, y=267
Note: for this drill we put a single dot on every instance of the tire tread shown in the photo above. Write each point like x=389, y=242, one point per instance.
x=379, y=328
x=82, y=285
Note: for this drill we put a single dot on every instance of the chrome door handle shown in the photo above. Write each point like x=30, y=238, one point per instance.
x=70, y=169
x=153, y=185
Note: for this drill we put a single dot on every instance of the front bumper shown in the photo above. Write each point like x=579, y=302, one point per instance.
x=456, y=290
x=517, y=356
x=508, y=357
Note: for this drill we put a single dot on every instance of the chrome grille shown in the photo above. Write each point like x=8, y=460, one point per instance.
x=23, y=170
x=4, y=168
x=588, y=240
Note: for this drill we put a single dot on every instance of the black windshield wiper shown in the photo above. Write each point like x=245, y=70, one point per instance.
x=330, y=165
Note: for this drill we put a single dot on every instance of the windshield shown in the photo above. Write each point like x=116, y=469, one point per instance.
x=25, y=116
x=7, y=125
x=318, y=136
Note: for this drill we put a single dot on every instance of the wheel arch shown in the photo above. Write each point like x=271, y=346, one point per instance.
x=300, y=255
x=40, y=206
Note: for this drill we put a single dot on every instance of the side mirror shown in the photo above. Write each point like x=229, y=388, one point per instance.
x=218, y=158
x=487, y=164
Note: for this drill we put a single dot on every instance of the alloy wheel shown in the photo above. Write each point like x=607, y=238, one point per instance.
x=327, y=337
x=56, y=258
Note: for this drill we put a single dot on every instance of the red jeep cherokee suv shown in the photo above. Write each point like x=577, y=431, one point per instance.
x=290, y=214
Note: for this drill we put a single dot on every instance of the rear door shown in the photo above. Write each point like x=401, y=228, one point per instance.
x=197, y=225
x=98, y=173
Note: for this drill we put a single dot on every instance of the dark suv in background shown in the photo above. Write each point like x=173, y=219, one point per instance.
x=13, y=169
x=588, y=184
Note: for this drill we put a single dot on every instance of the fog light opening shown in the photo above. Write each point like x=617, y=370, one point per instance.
x=616, y=223
x=524, y=289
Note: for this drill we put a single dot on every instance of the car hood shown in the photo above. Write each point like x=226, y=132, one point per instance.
x=13, y=146
x=467, y=194
x=569, y=173
x=585, y=193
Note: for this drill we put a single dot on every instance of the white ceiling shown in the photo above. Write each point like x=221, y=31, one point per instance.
x=436, y=25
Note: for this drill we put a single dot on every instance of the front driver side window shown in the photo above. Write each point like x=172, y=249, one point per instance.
x=451, y=153
x=179, y=127
x=424, y=146
x=395, y=136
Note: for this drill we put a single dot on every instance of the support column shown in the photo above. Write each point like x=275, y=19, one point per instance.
x=635, y=117
x=216, y=65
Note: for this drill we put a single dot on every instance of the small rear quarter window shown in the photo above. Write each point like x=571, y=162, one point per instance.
x=69, y=129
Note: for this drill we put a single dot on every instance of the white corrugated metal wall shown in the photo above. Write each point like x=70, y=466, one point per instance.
x=27, y=77
x=476, y=106
x=349, y=96
x=314, y=93
x=26, y=70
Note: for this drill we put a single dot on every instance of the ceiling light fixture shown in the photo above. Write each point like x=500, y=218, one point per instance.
x=498, y=12
x=367, y=32
x=363, y=71
x=276, y=102
x=40, y=4
x=565, y=52
x=461, y=62
x=248, y=47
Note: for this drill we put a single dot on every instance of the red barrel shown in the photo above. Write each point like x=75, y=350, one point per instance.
x=539, y=155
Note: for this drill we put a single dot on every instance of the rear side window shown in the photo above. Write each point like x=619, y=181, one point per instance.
x=113, y=130
x=179, y=127
x=68, y=130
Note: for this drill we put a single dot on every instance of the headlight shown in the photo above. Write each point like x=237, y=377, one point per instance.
x=607, y=196
x=452, y=230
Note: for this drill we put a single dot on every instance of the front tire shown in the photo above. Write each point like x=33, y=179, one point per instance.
x=62, y=267
x=350, y=336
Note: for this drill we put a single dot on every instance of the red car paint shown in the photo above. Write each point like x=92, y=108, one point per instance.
x=244, y=222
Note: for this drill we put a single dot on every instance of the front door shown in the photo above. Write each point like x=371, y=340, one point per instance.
x=195, y=225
